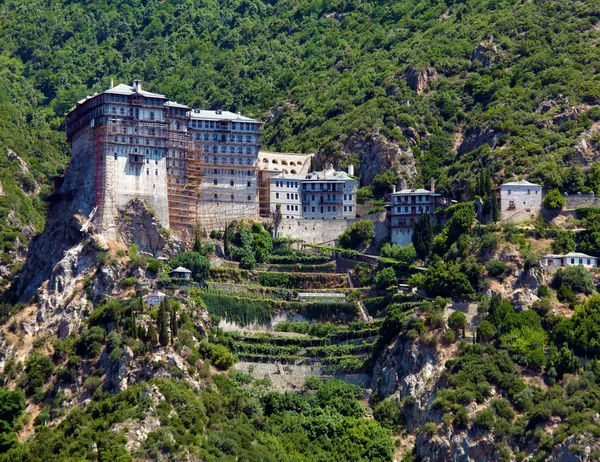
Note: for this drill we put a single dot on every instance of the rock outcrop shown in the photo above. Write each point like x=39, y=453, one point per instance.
x=587, y=150
x=477, y=137
x=576, y=448
x=486, y=53
x=409, y=369
x=137, y=225
x=376, y=155
x=420, y=79
x=457, y=447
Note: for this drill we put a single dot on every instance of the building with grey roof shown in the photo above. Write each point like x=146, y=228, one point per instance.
x=189, y=166
x=406, y=207
x=324, y=195
x=519, y=200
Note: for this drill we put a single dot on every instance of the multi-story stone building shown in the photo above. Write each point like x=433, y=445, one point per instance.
x=228, y=145
x=191, y=167
x=519, y=200
x=275, y=163
x=326, y=194
x=406, y=208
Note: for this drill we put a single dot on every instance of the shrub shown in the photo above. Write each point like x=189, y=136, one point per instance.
x=404, y=254
x=360, y=233
x=388, y=413
x=543, y=291
x=449, y=337
x=129, y=282
x=195, y=262
x=430, y=428
x=574, y=278
x=484, y=420
x=554, y=200
x=38, y=368
x=495, y=268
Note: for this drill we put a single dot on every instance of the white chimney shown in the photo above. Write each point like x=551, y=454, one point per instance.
x=112, y=82
x=393, y=188
x=137, y=85
x=350, y=169
x=432, y=189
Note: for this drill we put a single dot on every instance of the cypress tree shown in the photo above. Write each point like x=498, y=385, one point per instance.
x=495, y=212
x=173, y=323
x=423, y=236
x=197, y=242
x=151, y=335
x=163, y=324
x=226, y=240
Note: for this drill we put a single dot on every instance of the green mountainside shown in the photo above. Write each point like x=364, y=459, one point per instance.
x=320, y=71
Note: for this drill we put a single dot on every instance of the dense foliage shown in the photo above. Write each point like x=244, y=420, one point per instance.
x=225, y=421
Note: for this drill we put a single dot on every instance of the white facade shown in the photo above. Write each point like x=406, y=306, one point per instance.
x=323, y=195
x=155, y=298
x=519, y=196
x=229, y=144
x=123, y=130
x=285, y=191
x=570, y=259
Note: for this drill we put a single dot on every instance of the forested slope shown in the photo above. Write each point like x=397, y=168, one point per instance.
x=320, y=71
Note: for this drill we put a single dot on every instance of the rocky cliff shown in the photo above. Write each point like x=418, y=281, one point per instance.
x=375, y=153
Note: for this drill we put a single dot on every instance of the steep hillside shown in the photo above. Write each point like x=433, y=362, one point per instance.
x=437, y=81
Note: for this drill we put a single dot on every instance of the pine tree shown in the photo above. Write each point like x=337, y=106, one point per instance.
x=163, y=323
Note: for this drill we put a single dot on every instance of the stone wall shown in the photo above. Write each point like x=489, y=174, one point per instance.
x=327, y=231
x=581, y=200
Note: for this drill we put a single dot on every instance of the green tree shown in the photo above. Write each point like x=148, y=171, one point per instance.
x=195, y=262
x=386, y=278
x=383, y=182
x=457, y=321
x=173, y=321
x=554, y=200
x=485, y=331
x=564, y=242
x=495, y=210
x=360, y=233
x=585, y=330
x=422, y=237
x=163, y=323
x=574, y=278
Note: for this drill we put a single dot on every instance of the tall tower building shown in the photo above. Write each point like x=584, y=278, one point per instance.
x=193, y=168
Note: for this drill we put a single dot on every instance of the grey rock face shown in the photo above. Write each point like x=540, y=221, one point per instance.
x=137, y=225
x=376, y=155
x=477, y=137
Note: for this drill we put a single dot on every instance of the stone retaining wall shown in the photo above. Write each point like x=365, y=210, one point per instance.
x=327, y=231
